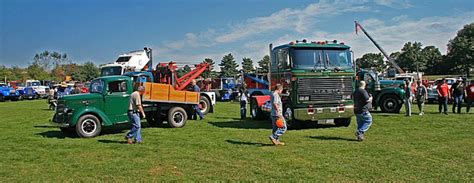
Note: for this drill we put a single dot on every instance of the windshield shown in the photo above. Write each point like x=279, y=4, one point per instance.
x=124, y=59
x=111, y=71
x=34, y=83
x=321, y=59
x=96, y=86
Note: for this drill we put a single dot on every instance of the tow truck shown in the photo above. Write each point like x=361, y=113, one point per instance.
x=142, y=61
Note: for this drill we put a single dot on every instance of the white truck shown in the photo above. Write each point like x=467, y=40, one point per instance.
x=41, y=91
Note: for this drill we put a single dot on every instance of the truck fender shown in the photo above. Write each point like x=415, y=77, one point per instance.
x=261, y=99
x=90, y=110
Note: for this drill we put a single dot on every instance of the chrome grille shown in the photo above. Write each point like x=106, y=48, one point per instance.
x=325, y=89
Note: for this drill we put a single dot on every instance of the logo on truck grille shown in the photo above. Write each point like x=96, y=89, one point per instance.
x=328, y=91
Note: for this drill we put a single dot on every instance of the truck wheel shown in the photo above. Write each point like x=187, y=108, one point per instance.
x=218, y=95
x=2, y=98
x=88, y=126
x=390, y=104
x=204, y=105
x=177, y=117
x=255, y=111
x=343, y=122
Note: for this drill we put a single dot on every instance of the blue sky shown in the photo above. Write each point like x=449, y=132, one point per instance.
x=189, y=31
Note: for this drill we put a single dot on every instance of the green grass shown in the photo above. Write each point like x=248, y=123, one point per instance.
x=431, y=148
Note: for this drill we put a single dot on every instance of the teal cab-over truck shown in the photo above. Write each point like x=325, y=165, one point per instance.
x=108, y=101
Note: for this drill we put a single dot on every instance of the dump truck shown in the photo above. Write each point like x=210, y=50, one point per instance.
x=107, y=105
x=318, y=80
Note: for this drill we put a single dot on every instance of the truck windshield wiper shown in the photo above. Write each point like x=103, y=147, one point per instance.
x=316, y=63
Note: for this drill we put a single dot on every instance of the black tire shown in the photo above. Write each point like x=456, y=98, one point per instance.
x=342, y=122
x=204, y=105
x=20, y=97
x=177, y=117
x=390, y=104
x=88, y=126
x=255, y=111
x=2, y=98
x=218, y=95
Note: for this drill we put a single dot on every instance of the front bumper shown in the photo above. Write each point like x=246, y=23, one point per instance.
x=60, y=120
x=321, y=113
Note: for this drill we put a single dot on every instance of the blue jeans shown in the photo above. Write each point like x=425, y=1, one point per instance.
x=407, y=106
x=197, y=112
x=443, y=103
x=277, y=132
x=243, y=109
x=457, y=103
x=135, y=132
x=364, y=120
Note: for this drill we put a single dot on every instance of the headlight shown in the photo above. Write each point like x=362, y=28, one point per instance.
x=303, y=98
x=66, y=110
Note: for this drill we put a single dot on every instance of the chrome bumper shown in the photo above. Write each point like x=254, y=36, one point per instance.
x=320, y=113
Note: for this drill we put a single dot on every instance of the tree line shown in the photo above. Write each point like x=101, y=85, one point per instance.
x=459, y=58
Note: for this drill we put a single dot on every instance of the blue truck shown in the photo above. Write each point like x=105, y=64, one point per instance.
x=8, y=93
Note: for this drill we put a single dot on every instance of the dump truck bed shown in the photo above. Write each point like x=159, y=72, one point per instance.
x=164, y=93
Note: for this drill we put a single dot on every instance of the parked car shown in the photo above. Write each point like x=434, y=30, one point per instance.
x=433, y=93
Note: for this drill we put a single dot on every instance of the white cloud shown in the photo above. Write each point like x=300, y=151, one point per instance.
x=394, y=3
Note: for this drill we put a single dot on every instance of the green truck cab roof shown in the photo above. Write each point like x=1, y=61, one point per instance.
x=113, y=78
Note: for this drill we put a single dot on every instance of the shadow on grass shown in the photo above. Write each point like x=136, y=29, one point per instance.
x=331, y=138
x=56, y=134
x=250, y=124
x=248, y=143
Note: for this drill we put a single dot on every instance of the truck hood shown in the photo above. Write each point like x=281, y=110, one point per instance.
x=81, y=97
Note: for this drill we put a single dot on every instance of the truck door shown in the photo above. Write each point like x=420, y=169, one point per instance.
x=116, y=101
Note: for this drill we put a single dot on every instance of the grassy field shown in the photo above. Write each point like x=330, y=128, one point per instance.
x=430, y=148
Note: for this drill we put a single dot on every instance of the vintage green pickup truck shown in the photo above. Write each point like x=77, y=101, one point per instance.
x=107, y=105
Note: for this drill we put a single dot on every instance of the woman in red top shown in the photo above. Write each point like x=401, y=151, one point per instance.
x=443, y=96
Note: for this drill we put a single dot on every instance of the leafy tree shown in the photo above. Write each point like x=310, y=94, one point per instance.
x=411, y=58
x=209, y=73
x=247, y=65
x=228, y=66
x=35, y=71
x=433, y=59
x=461, y=49
x=182, y=71
x=85, y=72
x=263, y=64
x=371, y=61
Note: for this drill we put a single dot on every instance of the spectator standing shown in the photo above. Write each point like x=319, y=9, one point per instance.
x=134, y=110
x=443, y=96
x=243, y=102
x=197, y=111
x=407, y=97
x=457, y=92
x=469, y=96
x=277, y=113
x=362, y=105
x=421, y=96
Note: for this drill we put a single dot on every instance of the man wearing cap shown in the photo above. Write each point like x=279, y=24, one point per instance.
x=134, y=110
x=457, y=91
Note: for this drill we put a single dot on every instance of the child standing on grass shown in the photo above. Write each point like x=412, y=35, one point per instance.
x=276, y=113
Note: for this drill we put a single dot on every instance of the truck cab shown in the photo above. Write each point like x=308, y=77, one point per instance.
x=129, y=62
x=318, y=82
x=41, y=91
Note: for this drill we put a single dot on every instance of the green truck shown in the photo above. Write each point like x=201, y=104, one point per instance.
x=107, y=105
x=318, y=80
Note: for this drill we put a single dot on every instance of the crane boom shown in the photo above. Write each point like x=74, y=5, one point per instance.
x=400, y=70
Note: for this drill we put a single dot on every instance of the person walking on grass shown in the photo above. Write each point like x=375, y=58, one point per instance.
x=421, y=96
x=469, y=96
x=277, y=113
x=243, y=102
x=134, y=110
x=457, y=91
x=407, y=97
x=443, y=96
x=197, y=111
x=362, y=105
